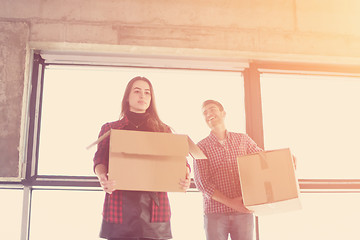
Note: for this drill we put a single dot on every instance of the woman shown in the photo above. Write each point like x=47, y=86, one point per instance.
x=134, y=214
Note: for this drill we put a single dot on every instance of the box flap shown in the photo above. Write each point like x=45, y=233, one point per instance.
x=148, y=143
x=195, y=151
x=102, y=137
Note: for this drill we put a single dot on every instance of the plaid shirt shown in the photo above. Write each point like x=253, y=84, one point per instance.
x=220, y=170
x=113, y=205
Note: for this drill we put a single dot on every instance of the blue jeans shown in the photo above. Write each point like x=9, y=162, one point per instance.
x=218, y=226
x=132, y=239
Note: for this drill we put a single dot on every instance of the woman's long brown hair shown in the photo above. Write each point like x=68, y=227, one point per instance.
x=153, y=121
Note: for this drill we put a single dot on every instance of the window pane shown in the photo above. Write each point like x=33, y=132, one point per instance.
x=11, y=213
x=79, y=213
x=317, y=117
x=187, y=216
x=329, y=216
x=78, y=100
x=187, y=221
x=66, y=214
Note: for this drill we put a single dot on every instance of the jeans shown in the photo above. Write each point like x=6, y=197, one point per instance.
x=132, y=239
x=218, y=226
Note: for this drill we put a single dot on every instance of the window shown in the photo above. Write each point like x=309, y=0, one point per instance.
x=312, y=114
x=78, y=100
x=66, y=214
x=187, y=221
x=11, y=210
x=323, y=216
x=317, y=118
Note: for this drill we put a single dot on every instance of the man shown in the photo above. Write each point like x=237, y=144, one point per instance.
x=217, y=178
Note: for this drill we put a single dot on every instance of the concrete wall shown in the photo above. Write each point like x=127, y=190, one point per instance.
x=286, y=30
x=13, y=38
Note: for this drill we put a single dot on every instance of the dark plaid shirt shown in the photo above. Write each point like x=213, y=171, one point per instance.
x=113, y=205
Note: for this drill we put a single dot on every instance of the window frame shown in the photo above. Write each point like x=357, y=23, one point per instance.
x=254, y=115
x=32, y=180
x=42, y=58
x=253, y=111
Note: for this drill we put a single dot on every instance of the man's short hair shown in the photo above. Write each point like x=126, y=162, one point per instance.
x=207, y=102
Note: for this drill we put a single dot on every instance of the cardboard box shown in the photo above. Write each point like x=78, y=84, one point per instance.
x=268, y=182
x=149, y=161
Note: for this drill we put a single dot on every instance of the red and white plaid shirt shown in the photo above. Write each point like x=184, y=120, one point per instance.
x=220, y=170
x=113, y=205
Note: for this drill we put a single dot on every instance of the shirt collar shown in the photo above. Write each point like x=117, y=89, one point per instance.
x=213, y=138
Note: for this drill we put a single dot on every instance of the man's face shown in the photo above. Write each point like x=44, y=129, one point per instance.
x=212, y=115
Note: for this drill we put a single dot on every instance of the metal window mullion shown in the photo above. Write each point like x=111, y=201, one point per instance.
x=37, y=120
x=26, y=213
x=34, y=117
x=32, y=142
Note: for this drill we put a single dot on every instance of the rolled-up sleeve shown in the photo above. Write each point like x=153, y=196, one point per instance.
x=102, y=154
x=202, y=176
x=251, y=146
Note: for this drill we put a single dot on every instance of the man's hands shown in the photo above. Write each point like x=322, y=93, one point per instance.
x=234, y=203
x=294, y=160
x=238, y=204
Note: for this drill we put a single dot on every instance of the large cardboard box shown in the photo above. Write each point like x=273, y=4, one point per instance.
x=149, y=161
x=268, y=182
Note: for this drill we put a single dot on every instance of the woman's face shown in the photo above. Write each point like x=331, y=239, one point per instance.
x=139, y=97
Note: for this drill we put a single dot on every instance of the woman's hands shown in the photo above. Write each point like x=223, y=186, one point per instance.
x=107, y=186
x=101, y=173
x=185, y=183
